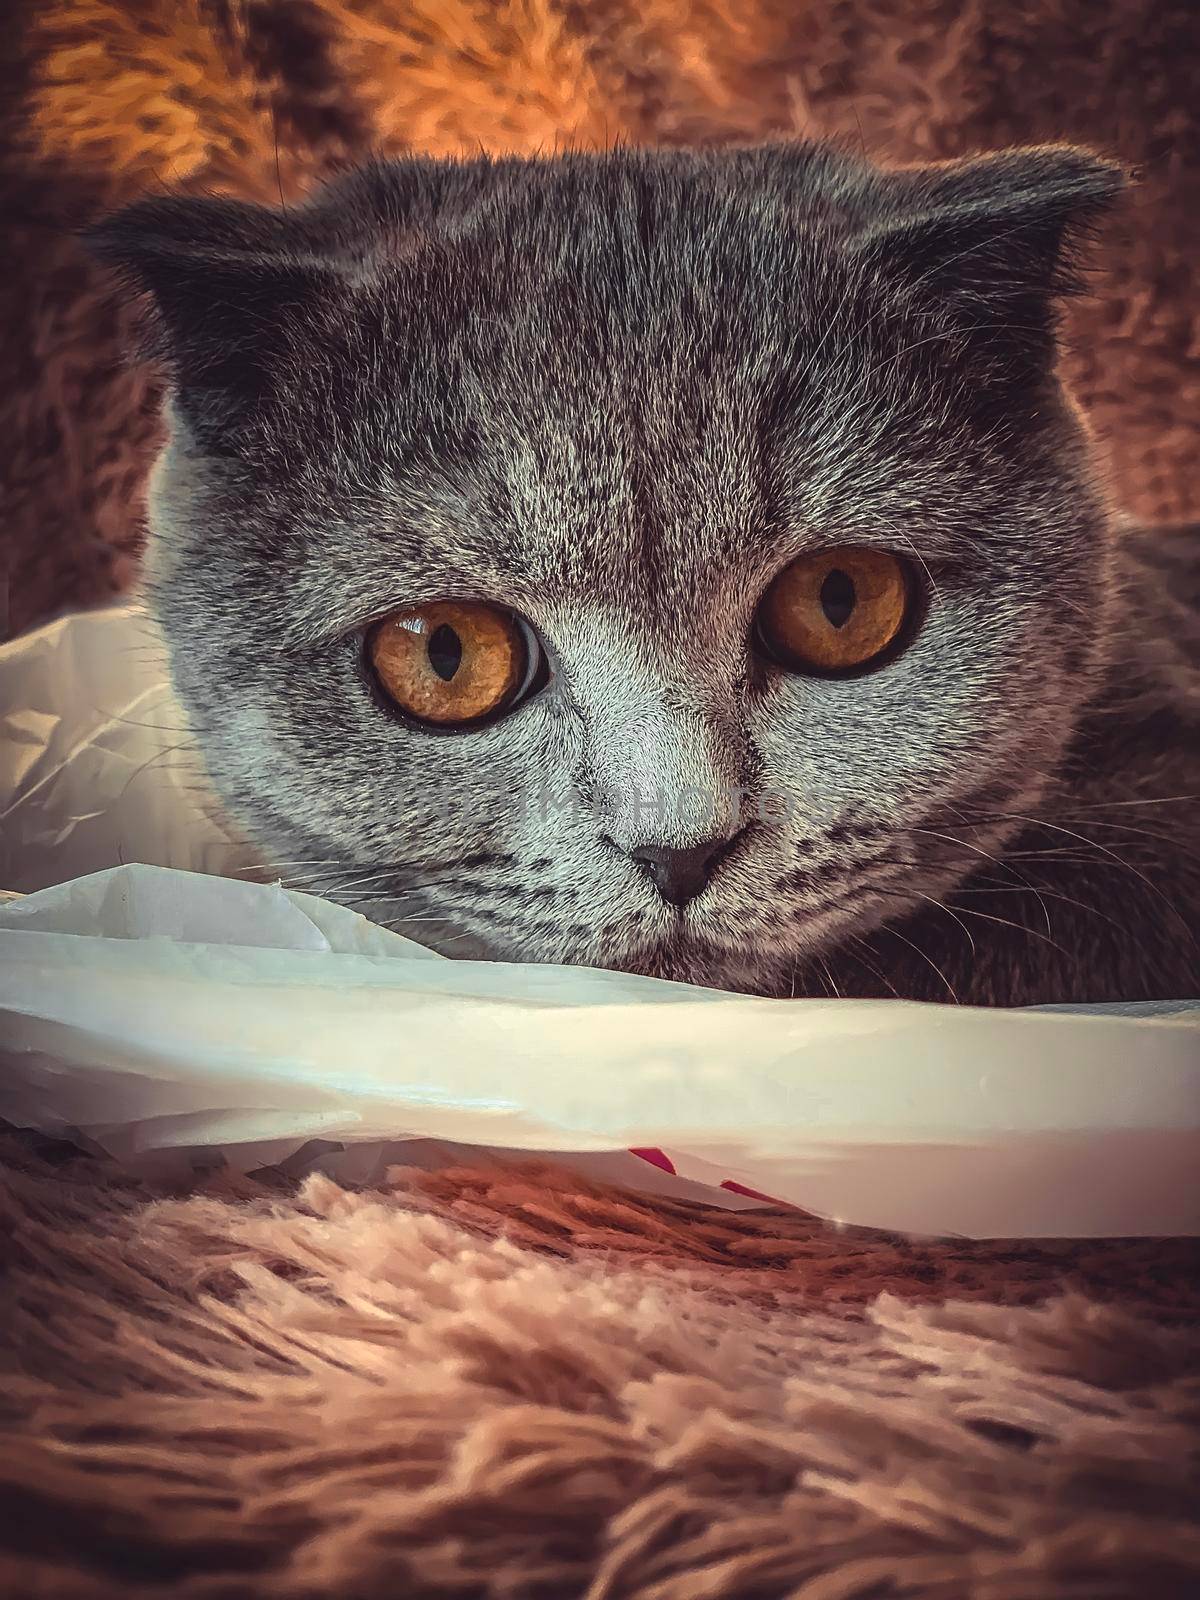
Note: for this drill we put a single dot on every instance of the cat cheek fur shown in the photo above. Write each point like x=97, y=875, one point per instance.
x=618, y=393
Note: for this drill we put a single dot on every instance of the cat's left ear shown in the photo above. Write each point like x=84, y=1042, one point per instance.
x=991, y=240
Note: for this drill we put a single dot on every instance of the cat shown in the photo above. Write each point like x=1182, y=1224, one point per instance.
x=685, y=562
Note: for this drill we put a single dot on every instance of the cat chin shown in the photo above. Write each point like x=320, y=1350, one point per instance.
x=685, y=959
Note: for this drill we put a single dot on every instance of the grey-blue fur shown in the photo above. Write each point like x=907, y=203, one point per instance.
x=617, y=393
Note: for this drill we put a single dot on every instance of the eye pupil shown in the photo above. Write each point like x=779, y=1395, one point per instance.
x=445, y=651
x=838, y=597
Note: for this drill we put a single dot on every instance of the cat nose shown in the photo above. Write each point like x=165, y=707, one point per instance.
x=679, y=872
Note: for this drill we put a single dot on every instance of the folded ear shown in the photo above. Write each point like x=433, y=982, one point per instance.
x=992, y=241
x=226, y=281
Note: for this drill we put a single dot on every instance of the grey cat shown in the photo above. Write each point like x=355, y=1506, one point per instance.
x=685, y=562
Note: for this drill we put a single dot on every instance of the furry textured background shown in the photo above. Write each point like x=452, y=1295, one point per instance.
x=513, y=1385
x=104, y=99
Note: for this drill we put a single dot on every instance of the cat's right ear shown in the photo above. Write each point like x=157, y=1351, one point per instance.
x=225, y=283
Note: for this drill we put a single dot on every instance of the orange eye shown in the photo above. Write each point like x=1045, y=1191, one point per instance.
x=451, y=662
x=837, y=610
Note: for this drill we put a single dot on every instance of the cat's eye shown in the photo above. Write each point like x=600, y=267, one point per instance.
x=837, y=611
x=453, y=663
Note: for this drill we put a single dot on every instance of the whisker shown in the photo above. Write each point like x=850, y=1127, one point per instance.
x=1096, y=845
x=146, y=765
x=1157, y=800
x=878, y=972
x=969, y=911
x=1142, y=833
x=941, y=906
x=829, y=977
x=1050, y=894
x=988, y=856
x=1021, y=927
x=928, y=960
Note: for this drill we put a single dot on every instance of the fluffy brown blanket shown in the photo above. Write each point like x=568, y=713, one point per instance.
x=508, y=1385
x=505, y=1383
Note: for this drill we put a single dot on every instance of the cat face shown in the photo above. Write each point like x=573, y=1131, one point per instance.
x=505, y=501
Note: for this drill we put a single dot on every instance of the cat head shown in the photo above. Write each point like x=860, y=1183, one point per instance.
x=636, y=559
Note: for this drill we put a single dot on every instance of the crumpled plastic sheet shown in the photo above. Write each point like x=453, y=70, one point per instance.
x=165, y=1016
x=96, y=763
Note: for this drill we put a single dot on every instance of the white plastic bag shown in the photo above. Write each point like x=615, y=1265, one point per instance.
x=155, y=1011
